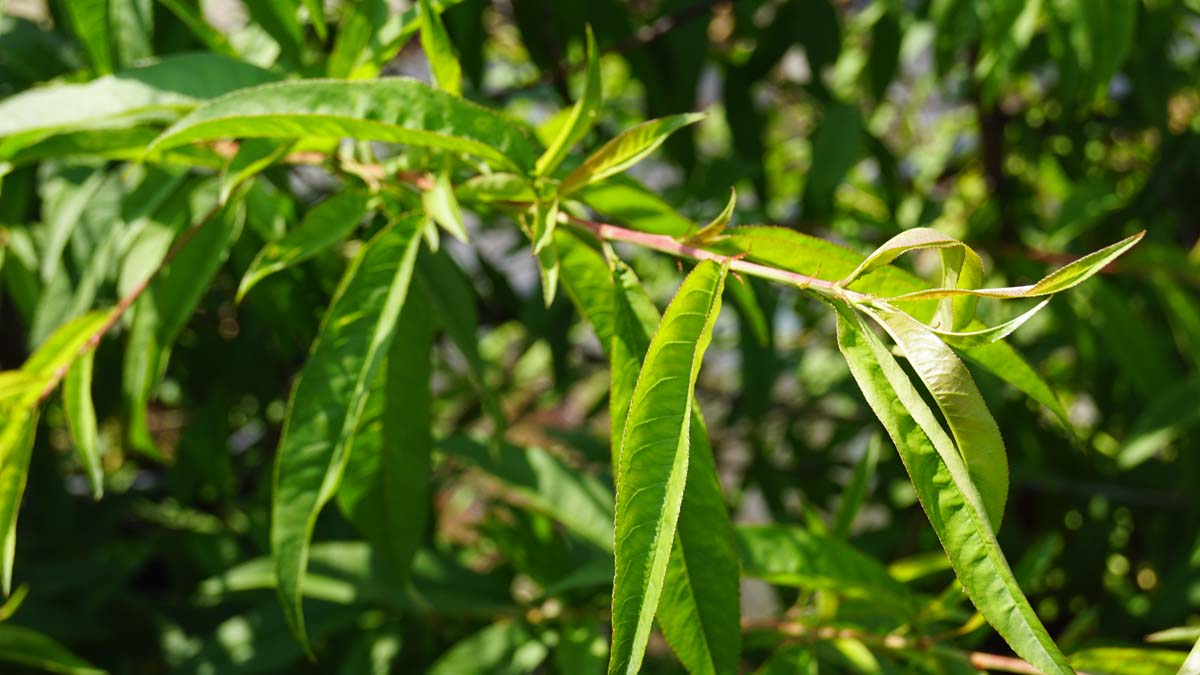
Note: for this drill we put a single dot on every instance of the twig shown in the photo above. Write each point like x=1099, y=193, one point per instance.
x=666, y=244
x=126, y=302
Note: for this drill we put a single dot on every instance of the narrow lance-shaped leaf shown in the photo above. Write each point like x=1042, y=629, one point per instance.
x=950, y=383
x=985, y=336
x=583, y=115
x=81, y=419
x=252, y=157
x=323, y=226
x=699, y=608
x=717, y=225
x=17, y=432
x=386, y=489
x=1191, y=666
x=442, y=206
x=946, y=493
x=855, y=492
x=628, y=148
x=89, y=19
x=399, y=110
x=28, y=647
x=654, y=461
x=1059, y=280
x=438, y=50
x=328, y=398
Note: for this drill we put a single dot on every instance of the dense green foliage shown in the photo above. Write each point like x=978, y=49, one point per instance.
x=342, y=337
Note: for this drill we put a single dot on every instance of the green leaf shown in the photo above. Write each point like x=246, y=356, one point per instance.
x=1129, y=661
x=386, y=489
x=544, y=483
x=588, y=282
x=985, y=336
x=252, y=157
x=323, y=226
x=792, y=556
x=547, y=260
x=81, y=419
x=1059, y=280
x=495, y=187
x=946, y=493
x=583, y=114
x=328, y=398
x=192, y=17
x=623, y=199
x=398, y=110
x=1001, y=360
x=62, y=348
x=961, y=268
x=89, y=22
x=17, y=431
x=628, y=148
x=316, y=16
x=281, y=21
x=716, y=226
x=1191, y=666
x=152, y=93
x=30, y=648
x=654, y=461
x=544, y=222
x=442, y=205
x=438, y=50
x=454, y=302
x=699, y=608
x=503, y=648
x=976, y=434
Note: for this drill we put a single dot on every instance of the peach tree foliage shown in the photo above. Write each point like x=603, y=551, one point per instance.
x=358, y=429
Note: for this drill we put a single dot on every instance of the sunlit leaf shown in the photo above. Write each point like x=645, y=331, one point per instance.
x=81, y=419
x=28, y=647
x=582, y=117
x=397, y=110
x=628, y=148
x=438, y=50
x=442, y=205
x=328, y=397
x=654, y=459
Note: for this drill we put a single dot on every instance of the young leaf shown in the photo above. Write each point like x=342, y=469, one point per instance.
x=547, y=260
x=328, y=398
x=442, y=206
x=699, y=609
x=81, y=419
x=544, y=222
x=386, y=490
x=654, y=460
x=950, y=383
x=495, y=187
x=583, y=115
x=1059, y=280
x=438, y=50
x=397, y=110
x=323, y=226
x=946, y=493
x=89, y=21
x=716, y=226
x=628, y=148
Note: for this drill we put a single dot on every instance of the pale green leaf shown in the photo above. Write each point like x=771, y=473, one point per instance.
x=328, y=398
x=89, y=21
x=1165, y=418
x=1191, y=666
x=976, y=434
x=316, y=16
x=323, y=226
x=855, y=492
x=582, y=117
x=947, y=494
x=623, y=199
x=442, y=206
x=81, y=419
x=654, y=461
x=628, y=148
x=28, y=647
x=545, y=220
x=435, y=41
x=399, y=110
x=1129, y=661
x=547, y=260
x=1065, y=277
x=985, y=336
